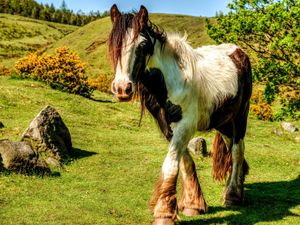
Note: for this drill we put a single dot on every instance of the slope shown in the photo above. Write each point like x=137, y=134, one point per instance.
x=21, y=35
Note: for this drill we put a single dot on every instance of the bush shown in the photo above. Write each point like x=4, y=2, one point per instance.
x=290, y=99
x=63, y=71
x=101, y=83
x=262, y=110
x=4, y=71
x=259, y=107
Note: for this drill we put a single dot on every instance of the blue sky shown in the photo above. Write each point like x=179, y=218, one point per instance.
x=186, y=7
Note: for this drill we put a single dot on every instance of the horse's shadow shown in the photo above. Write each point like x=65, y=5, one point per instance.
x=265, y=202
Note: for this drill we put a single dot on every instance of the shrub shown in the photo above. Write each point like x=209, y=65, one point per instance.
x=63, y=71
x=4, y=71
x=101, y=83
x=262, y=111
x=290, y=99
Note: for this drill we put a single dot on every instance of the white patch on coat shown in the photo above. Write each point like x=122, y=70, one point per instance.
x=204, y=76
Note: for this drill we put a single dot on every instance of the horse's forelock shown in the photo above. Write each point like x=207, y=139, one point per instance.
x=117, y=35
x=121, y=26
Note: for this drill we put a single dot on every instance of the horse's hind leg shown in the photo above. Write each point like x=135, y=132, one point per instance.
x=192, y=201
x=234, y=192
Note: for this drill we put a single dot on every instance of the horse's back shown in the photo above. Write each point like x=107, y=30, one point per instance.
x=223, y=49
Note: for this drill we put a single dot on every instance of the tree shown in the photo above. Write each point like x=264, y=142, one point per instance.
x=64, y=6
x=269, y=30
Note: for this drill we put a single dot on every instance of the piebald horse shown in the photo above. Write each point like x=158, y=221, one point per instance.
x=185, y=90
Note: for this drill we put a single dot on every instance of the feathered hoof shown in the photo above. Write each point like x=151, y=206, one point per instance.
x=192, y=212
x=163, y=221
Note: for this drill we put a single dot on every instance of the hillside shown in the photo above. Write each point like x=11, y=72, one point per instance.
x=21, y=35
x=117, y=164
x=90, y=40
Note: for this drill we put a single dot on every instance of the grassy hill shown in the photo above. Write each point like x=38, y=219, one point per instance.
x=90, y=41
x=117, y=163
x=21, y=35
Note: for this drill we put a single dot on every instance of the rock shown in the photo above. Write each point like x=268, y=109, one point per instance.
x=297, y=138
x=48, y=135
x=198, y=146
x=19, y=157
x=278, y=131
x=289, y=127
x=54, y=162
x=1, y=125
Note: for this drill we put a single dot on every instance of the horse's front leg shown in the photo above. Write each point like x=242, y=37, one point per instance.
x=163, y=202
x=192, y=201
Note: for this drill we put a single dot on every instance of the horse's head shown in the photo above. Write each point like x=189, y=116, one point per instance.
x=129, y=44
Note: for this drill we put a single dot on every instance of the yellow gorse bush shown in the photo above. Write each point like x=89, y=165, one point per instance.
x=259, y=107
x=4, y=71
x=101, y=83
x=262, y=111
x=63, y=71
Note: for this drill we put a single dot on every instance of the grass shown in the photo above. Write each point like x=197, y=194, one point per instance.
x=21, y=35
x=116, y=165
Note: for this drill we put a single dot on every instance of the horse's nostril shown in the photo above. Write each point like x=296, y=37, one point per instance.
x=120, y=90
x=128, y=90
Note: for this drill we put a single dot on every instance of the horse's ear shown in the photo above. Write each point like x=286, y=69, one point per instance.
x=142, y=17
x=114, y=13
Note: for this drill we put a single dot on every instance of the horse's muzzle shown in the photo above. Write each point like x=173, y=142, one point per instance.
x=123, y=92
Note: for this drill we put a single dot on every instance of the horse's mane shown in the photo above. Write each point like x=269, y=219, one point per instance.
x=121, y=26
x=185, y=55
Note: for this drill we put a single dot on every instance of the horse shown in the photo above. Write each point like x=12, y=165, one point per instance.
x=185, y=90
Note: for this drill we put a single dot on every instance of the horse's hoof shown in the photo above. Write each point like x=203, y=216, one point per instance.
x=191, y=212
x=164, y=221
x=232, y=202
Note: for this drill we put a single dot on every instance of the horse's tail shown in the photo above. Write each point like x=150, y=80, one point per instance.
x=222, y=161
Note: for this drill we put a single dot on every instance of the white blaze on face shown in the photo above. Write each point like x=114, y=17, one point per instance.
x=122, y=85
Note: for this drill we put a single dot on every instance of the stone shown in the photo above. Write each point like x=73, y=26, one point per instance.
x=278, y=131
x=289, y=127
x=54, y=162
x=48, y=135
x=198, y=146
x=1, y=125
x=19, y=157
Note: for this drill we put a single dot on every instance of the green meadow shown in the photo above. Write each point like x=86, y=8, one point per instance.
x=116, y=162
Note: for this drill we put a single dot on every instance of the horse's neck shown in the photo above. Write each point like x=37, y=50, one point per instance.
x=165, y=60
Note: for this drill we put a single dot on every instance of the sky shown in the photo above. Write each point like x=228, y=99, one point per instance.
x=185, y=7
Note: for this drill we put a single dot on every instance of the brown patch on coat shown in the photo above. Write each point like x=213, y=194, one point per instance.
x=243, y=65
x=191, y=197
x=163, y=203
